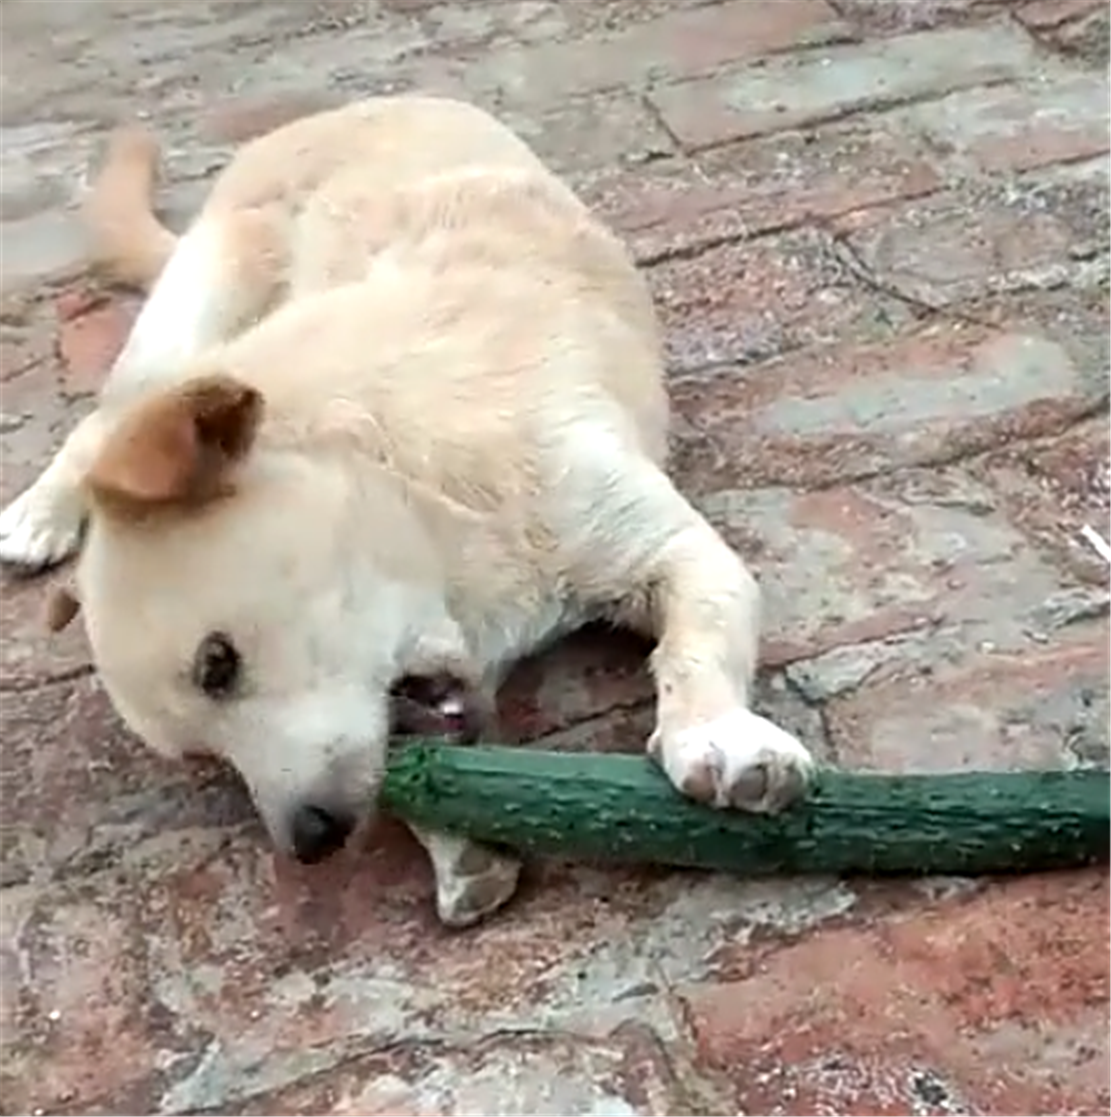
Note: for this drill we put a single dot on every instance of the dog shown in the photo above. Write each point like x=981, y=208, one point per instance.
x=394, y=406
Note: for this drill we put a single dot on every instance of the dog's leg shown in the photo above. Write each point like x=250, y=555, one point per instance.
x=221, y=278
x=208, y=289
x=472, y=880
x=43, y=525
x=710, y=744
x=677, y=578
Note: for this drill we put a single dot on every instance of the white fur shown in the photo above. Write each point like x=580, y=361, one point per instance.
x=43, y=525
x=460, y=456
x=190, y=308
x=737, y=760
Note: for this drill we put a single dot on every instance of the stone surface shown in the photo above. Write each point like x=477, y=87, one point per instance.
x=1039, y=708
x=1043, y=14
x=678, y=206
x=877, y=233
x=1016, y=127
x=741, y=302
x=824, y=85
x=1040, y=232
x=923, y=1012
x=830, y=413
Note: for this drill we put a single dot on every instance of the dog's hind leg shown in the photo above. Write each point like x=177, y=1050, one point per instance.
x=472, y=880
x=677, y=580
x=222, y=275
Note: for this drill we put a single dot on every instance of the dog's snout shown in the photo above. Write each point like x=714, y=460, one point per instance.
x=317, y=832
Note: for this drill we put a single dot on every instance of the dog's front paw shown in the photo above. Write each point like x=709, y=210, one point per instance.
x=738, y=760
x=40, y=528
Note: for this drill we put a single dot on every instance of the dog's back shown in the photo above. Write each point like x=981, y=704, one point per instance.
x=355, y=161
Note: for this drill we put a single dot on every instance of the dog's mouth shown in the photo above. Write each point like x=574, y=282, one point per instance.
x=439, y=705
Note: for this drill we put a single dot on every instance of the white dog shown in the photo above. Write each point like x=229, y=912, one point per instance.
x=394, y=407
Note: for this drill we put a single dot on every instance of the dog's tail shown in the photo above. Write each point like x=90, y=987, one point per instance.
x=127, y=242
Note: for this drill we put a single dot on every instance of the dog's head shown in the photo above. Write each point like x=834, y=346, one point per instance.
x=258, y=603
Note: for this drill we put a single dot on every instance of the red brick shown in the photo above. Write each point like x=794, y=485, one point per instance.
x=1052, y=487
x=795, y=91
x=910, y=568
x=1043, y=14
x=899, y=1017
x=80, y=792
x=91, y=340
x=78, y=301
x=766, y=184
x=826, y=414
x=678, y=43
x=1017, y=128
x=606, y=130
x=1039, y=708
x=242, y=963
x=956, y=247
x=87, y=962
x=739, y=303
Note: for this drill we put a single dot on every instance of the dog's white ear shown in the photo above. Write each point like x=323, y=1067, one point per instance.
x=180, y=446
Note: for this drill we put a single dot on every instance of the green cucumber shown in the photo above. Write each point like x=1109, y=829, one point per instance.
x=622, y=809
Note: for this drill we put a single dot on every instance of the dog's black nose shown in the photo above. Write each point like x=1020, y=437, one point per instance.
x=318, y=833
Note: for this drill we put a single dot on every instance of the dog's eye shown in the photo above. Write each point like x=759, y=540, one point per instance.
x=216, y=666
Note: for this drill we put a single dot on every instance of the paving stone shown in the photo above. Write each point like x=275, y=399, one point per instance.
x=1078, y=28
x=910, y=15
x=1043, y=14
x=495, y=25
x=1087, y=38
x=828, y=414
x=46, y=416
x=1041, y=708
x=90, y=341
x=608, y=130
x=583, y=678
x=628, y=1073
x=954, y=247
x=1053, y=487
x=240, y=974
x=895, y=561
x=36, y=249
x=973, y=1005
x=1017, y=127
x=678, y=44
x=738, y=303
x=157, y=956
x=823, y=85
x=79, y=792
x=672, y=207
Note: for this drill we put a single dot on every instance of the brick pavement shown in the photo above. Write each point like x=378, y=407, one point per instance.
x=877, y=231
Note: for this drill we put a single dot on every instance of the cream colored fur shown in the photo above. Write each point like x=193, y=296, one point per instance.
x=394, y=405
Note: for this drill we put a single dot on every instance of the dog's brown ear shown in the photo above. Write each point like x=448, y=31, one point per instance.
x=61, y=607
x=180, y=446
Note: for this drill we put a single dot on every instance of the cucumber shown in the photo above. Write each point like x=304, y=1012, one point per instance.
x=622, y=809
